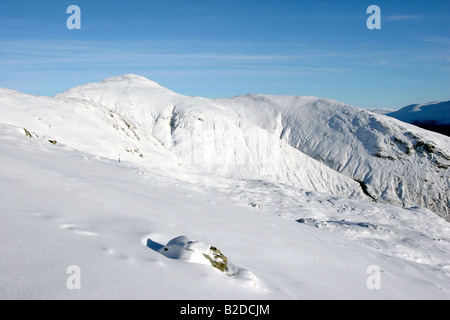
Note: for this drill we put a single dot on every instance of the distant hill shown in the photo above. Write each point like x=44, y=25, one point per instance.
x=434, y=116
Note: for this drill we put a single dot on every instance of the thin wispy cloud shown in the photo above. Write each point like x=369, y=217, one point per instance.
x=167, y=54
x=403, y=17
x=438, y=40
x=139, y=53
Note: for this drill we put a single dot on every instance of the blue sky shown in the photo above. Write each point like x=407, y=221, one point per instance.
x=224, y=48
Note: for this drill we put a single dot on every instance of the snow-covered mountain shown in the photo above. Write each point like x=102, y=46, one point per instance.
x=306, y=142
x=134, y=119
x=301, y=194
x=433, y=116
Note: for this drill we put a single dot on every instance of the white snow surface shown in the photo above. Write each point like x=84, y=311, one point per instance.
x=238, y=174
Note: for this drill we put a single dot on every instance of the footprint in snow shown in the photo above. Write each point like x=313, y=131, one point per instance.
x=76, y=229
x=191, y=251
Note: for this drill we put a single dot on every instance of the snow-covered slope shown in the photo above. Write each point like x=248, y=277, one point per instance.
x=306, y=142
x=395, y=162
x=432, y=116
x=64, y=212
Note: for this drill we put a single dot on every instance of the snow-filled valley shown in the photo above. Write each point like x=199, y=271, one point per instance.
x=150, y=193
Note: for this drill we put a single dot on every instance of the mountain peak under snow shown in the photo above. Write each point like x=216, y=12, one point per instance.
x=132, y=80
x=125, y=85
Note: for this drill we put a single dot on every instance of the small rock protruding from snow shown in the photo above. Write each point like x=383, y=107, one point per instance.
x=194, y=251
x=27, y=133
x=255, y=205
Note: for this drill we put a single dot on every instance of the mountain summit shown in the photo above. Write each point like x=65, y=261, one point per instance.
x=127, y=80
x=115, y=91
